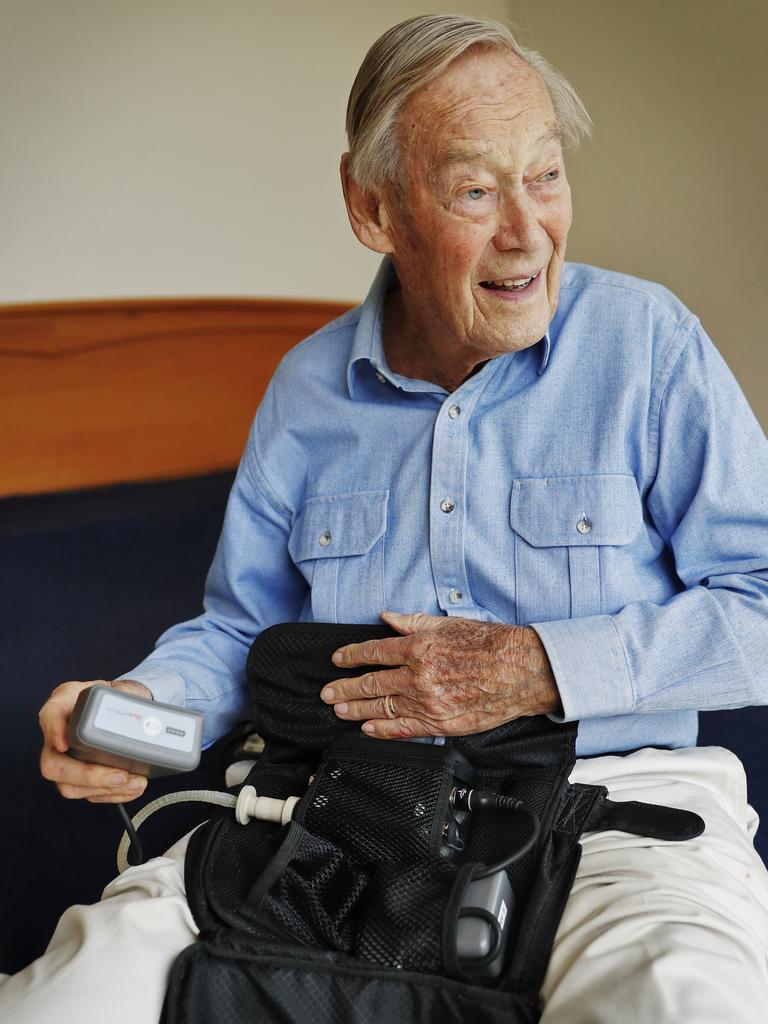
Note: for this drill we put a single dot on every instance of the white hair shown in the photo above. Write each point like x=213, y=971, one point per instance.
x=413, y=53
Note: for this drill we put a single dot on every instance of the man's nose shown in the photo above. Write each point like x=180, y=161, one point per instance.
x=518, y=224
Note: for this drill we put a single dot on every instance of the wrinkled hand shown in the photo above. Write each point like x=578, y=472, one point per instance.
x=77, y=780
x=445, y=676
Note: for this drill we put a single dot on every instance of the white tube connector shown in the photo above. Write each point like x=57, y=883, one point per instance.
x=266, y=808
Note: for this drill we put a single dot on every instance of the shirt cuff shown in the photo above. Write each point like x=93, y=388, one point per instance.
x=589, y=666
x=165, y=687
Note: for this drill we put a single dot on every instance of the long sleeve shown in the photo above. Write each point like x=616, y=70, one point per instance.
x=252, y=583
x=706, y=647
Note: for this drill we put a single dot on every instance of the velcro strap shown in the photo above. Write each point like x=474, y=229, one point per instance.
x=641, y=819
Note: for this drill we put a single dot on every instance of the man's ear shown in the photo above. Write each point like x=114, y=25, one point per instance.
x=367, y=212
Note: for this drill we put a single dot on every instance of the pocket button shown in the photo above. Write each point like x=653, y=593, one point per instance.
x=583, y=525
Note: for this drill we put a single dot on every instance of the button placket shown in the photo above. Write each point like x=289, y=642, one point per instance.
x=447, y=507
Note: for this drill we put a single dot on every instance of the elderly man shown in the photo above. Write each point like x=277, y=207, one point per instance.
x=551, y=471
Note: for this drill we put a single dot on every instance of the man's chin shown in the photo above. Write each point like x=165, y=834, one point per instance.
x=514, y=337
x=519, y=322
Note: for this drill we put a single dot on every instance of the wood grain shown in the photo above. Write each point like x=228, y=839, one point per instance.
x=95, y=393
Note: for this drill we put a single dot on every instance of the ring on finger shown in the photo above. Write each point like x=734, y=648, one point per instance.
x=389, y=706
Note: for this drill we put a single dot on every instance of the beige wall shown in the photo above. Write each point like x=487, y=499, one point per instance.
x=674, y=184
x=182, y=147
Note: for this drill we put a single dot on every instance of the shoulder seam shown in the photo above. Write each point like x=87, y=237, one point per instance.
x=329, y=328
x=262, y=484
x=619, y=286
x=664, y=376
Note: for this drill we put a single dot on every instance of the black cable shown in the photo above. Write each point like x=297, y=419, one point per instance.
x=135, y=853
x=485, y=799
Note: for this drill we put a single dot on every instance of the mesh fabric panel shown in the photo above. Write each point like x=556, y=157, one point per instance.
x=402, y=925
x=316, y=896
x=376, y=810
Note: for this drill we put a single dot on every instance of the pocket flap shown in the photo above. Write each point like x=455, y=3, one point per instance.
x=338, y=525
x=576, y=510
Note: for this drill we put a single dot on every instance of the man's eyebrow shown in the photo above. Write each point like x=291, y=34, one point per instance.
x=459, y=154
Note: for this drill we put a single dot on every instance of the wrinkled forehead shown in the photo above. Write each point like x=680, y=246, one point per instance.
x=483, y=95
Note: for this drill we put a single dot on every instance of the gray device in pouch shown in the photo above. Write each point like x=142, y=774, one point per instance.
x=112, y=727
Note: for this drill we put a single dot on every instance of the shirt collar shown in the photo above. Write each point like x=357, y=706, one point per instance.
x=368, y=342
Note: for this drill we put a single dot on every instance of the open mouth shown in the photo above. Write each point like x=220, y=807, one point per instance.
x=510, y=284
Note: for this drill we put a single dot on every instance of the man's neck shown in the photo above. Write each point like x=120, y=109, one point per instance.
x=411, y=352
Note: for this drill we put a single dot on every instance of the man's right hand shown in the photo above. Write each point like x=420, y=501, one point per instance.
x=77, y=780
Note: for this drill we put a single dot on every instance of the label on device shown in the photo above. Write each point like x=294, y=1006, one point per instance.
x=502, y=915
x=167, y=729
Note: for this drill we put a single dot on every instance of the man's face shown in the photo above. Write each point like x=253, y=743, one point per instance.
x=486, y=206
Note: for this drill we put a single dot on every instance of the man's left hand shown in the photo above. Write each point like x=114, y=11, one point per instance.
x=445, y=676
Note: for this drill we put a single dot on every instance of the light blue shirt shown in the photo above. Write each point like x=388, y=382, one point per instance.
x=608, y=485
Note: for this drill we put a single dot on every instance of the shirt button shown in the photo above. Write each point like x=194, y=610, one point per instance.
x=583, y=525
x=380, y=376
x=454, y=412
x=447, y=505
x=455, y=596
x=325, y=538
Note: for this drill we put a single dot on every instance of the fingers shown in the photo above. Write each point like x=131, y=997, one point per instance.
x=120, y=798
x=78, y=780
x=55, y=713
x=389, y=717
x=408, y=649
x=391, y=651
x=360, y=710
x=375, y=695
x=430, y=687
x=112, y=795
x=132, y=686
x=372, y=684
x=396, y=728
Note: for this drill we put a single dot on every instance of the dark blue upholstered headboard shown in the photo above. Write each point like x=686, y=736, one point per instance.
x=88, y=581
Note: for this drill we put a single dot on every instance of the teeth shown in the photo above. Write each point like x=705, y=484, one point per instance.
x=510, y=282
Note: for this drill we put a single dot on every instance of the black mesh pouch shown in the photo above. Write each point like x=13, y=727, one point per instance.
x=349, y=912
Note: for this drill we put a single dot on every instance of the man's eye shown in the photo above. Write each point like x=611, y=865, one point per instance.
x=475, y=193
x=550, y=175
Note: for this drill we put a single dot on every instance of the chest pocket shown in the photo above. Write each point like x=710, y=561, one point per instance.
x=563, y=527
x=337, y=542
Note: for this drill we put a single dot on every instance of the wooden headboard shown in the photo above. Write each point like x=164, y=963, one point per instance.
x=103, y=392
